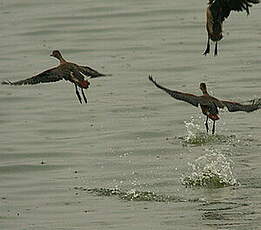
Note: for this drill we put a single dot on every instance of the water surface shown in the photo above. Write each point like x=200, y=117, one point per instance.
x=123, y=160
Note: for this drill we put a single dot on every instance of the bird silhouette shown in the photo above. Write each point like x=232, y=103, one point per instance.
x=209, y=105
x=65, y=70
x=217, y=12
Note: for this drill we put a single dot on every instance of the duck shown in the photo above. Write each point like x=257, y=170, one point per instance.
x=68, y=71
x=209, y=104
x=216, y=13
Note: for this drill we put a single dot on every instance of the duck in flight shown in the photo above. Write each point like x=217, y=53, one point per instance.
x=217, y=12
x=65, y=70
x=209, y=105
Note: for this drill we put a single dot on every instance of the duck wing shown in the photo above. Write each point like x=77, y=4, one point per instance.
x=234, y=106
x=222, y=8
x=88, y=71
x=189, y=98
x=51, y=75
x=240, y=5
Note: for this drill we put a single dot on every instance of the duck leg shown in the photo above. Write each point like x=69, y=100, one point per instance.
x=78, y=94
x=85, y=99
x=207, y=48
x=206, y=124
x=216, y=50
x=213, y=129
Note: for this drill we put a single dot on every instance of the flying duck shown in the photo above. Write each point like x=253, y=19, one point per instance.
x=217, y=12
x=209, y=105
x=65, y=70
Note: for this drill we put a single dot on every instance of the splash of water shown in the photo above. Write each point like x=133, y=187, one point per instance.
x=134, y=195
x=212, y=170
x=196, y=135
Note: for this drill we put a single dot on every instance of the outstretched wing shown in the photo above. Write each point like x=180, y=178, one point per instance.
x=51, y=75
x=88, y=71
x=222, y=8
x=240, y=5
x=234, y=106
x=190, y=98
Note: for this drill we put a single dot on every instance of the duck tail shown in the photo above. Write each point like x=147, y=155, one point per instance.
x=213, y=117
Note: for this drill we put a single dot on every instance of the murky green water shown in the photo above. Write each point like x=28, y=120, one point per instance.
x=133, y=158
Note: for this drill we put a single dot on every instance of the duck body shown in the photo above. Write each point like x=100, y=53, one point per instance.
x=214, y=25
x=209, y=111
x=216, y=13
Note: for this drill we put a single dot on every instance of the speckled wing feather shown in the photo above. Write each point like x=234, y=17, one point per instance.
x=51, y=75
x=234, y=106
x=88, y=71
x=190, y=98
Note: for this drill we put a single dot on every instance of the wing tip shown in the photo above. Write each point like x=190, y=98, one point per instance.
x=101, y=75
x=151, y=79
x=107, y=75
x=6, y=82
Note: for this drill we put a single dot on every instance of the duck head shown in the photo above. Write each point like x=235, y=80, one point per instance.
x=203, y=88
x=57, y=54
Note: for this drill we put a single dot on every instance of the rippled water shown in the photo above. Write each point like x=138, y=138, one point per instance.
x=122, y=161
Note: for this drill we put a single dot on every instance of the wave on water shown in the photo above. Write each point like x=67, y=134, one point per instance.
x=212, y=170
x=134, y=195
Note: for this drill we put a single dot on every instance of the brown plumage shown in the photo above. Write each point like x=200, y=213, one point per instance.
x=65, y=70
x=209, y=105
x=217, y=12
